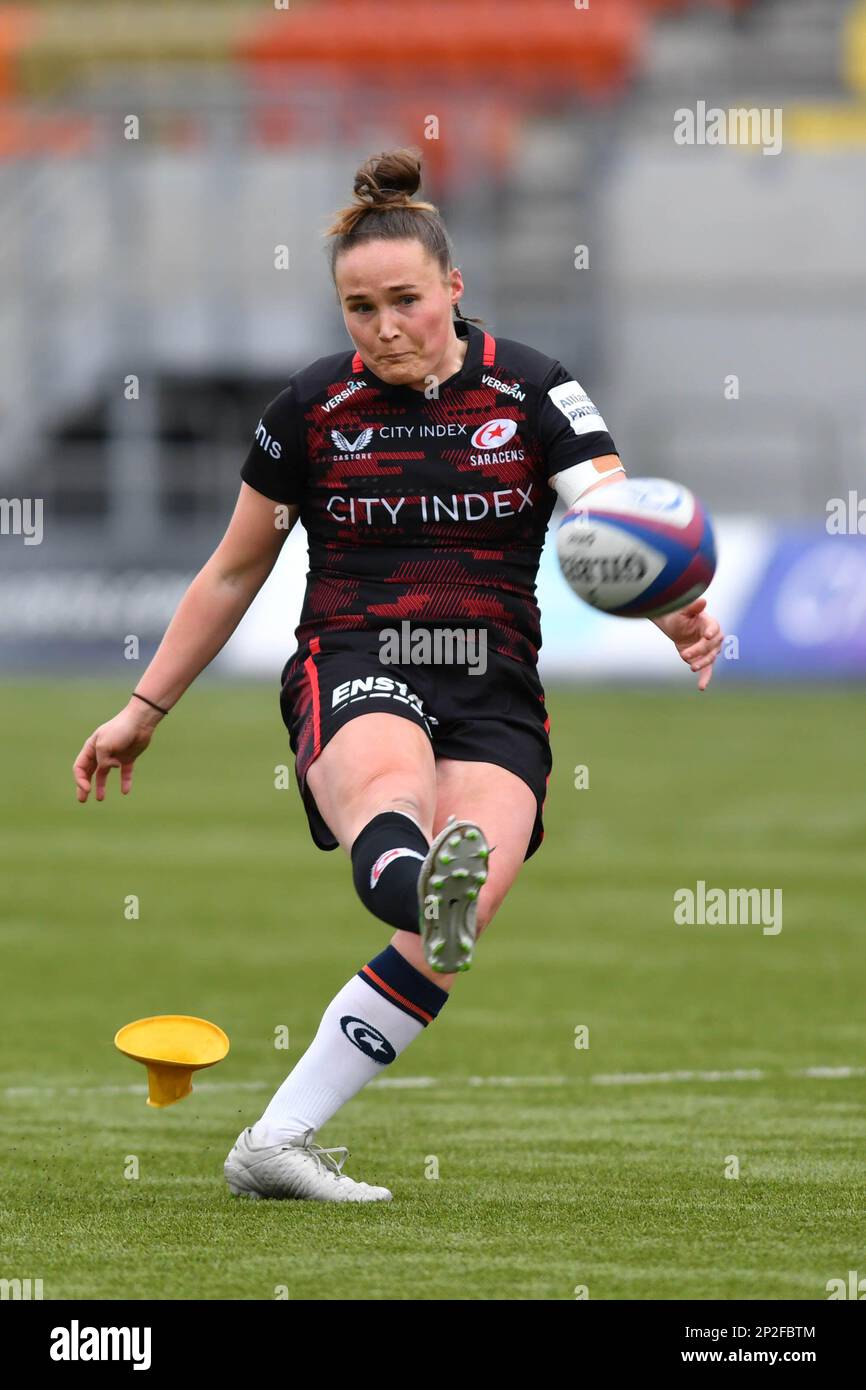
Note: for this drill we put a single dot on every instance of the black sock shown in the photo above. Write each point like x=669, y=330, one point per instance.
x=386, y=862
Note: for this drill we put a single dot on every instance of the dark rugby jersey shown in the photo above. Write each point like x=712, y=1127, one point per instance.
x=430, y=510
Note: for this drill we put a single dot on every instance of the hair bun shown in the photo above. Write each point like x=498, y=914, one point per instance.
x=389, y=179
x=383, y=208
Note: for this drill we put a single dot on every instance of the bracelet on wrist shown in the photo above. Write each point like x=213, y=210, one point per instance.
x=152, y=703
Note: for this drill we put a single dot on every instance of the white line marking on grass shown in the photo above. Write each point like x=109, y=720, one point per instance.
x=407, y=1083
x=518, y=1080
x=420, y=1083
x=824, y=1073
x=394, y=1083
x=647, y=1078
x=14, y=1092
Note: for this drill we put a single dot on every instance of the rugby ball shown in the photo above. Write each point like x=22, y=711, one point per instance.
x=637, y=548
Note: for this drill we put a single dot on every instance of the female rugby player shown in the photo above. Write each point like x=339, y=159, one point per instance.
x=425, y=463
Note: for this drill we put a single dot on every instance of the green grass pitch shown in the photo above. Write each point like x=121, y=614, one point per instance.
x=554, y=1171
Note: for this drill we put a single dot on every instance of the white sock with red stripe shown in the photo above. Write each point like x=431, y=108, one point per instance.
x=374, y=1018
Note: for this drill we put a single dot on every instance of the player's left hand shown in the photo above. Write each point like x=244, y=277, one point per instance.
x=696, y=636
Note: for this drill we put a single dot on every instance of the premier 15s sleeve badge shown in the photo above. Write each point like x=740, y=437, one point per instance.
x=571, y=399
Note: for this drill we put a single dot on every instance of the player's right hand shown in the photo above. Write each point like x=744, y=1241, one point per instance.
x=115, y=744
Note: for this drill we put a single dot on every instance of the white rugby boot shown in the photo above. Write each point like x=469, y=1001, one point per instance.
x=298, y=1169
x=449, y=883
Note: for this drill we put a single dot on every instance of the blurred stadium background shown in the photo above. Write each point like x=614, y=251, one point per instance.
x=155, y=257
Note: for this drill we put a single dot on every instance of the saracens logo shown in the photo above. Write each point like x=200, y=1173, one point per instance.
x=368, y=1039
x=494, y=434
x=343, y=443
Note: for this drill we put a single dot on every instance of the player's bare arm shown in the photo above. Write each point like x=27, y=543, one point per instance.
x=206, y=617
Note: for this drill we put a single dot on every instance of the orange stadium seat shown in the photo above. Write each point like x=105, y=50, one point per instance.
x=17, y=26
x=517, y=51
x=535, y=44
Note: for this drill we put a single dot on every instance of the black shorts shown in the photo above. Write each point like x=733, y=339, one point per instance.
x=495, y=717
